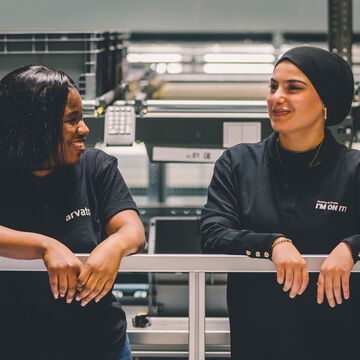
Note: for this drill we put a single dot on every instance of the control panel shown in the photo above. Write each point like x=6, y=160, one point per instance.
x=120, y=125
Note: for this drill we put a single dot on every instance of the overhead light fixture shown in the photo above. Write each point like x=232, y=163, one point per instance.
x=161, y=68
x=239, y=58
x=238, y=68
x=154, y=58
x=174, y=68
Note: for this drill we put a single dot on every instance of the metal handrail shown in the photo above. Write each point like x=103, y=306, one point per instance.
x=196, y=266
x=178, y=263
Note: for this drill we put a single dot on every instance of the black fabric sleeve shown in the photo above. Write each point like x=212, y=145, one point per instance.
x=112, y=193
x=354, y=242
x=354, y=239
x=220, y=226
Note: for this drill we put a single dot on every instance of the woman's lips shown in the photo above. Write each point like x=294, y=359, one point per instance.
x=79, y=145
x=279, y=112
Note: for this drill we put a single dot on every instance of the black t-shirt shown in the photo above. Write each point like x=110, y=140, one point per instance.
x=73, y=205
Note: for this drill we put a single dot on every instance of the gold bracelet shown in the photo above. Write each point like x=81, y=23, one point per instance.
x=279, y=241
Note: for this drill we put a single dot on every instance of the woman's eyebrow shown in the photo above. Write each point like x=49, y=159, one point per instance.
x=291, y=81
x=295, y=81
x=71, y=113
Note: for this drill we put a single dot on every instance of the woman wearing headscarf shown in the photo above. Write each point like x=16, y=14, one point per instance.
x=296, y=192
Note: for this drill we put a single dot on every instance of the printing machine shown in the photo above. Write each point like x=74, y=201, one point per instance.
x=194, y=131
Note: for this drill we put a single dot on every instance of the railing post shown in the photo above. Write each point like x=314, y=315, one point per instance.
x=201, y=315
x=196, y=315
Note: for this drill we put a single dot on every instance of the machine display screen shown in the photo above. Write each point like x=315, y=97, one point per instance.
x=177, y=236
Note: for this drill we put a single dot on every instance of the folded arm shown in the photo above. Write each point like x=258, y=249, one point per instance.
x=222, y=232
x=125, y=237
x=62, y=265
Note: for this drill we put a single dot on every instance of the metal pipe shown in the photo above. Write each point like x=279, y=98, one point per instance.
x=196, y=315
x=179, y=263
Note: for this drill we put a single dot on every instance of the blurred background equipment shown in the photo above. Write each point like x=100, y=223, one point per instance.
x=167, y=98
x=94, y=60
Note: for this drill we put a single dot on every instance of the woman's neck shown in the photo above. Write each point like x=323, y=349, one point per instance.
x=300, y=142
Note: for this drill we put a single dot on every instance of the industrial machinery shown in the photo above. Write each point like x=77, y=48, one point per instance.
x=96, y=61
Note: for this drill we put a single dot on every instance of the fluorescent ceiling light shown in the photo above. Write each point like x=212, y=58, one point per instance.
x=174, y=68
x=244, y=48
x=154, y=58
x=239, y=58
x=161, y=68
x=238, y=68
x=155, y=48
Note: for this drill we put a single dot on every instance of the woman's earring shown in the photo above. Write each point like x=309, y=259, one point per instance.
x=325, y=113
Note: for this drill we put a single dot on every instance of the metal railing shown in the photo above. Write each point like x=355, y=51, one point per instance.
x=196, y=266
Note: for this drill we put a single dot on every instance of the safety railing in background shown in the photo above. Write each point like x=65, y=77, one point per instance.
x=196, y=266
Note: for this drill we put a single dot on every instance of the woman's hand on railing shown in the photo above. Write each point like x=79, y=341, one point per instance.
x=335, y=274
x=98, y=274
x=291, y=268
x=63, y=268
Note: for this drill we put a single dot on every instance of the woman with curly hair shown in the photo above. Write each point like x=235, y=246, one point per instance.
x=58, y=199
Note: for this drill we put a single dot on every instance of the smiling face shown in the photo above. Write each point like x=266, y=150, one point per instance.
x=74, y=130
x=293, y=103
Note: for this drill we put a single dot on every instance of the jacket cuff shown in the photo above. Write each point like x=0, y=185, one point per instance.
x=354, y=242
x=259, y=245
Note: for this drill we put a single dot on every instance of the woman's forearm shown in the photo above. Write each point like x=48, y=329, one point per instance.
x=128, y=240
x=22, y=245
x=125, y=233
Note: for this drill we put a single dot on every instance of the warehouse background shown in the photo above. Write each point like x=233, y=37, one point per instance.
x=169, y=15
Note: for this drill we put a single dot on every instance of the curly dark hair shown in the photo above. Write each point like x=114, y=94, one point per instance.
x=32, y=104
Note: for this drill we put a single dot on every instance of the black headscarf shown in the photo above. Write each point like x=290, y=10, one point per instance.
x=331, y=77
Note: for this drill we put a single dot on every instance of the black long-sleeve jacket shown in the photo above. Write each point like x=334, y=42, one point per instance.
x=251, y=201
